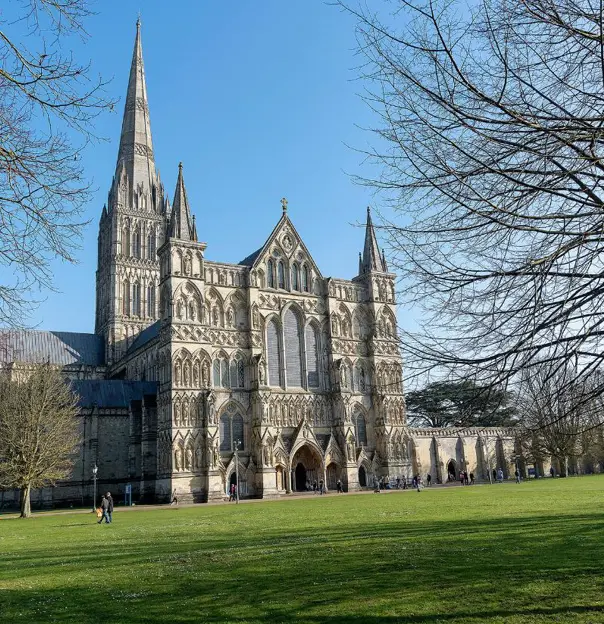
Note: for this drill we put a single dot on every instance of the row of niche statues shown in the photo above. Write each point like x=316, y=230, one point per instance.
x=187, y=414
x=289, y=415
x=191, y=310
x=188, y=458
x=192, y=374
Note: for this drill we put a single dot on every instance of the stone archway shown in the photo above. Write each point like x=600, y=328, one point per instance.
x=307, y=467
x=362, y=476
x=452, y=470
x=301, y=477
x=332, y=476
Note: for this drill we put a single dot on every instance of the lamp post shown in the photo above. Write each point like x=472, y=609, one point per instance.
x=236, y=471
x=95, y=469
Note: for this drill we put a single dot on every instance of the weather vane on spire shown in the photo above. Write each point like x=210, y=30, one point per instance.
x=284, y=204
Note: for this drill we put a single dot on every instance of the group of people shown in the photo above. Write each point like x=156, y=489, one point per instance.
x=105, y=511
x=316, y=488
x=465, y=478
x=233, y=493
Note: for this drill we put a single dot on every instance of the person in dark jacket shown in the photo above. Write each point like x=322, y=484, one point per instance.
x=110, y=507
x=104, y=508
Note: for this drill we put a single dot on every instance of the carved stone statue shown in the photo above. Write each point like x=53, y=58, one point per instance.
x=261, y=374
x=230, y=318
x=178, y=459
x=196, y=375
x=350, y=449
x=188, y=458
x=198, y=458
x=187, y=265
x=255, y=318
x=205, y=374
x=211, y=409
x=215, y=453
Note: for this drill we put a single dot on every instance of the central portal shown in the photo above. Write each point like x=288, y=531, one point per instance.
x=301, y=480
x=308, y=469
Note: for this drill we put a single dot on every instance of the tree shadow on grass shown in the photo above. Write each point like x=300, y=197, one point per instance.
x=436, y=571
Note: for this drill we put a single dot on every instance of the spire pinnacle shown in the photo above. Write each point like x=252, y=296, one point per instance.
x=136, y=147
x=372, y=259
x=181, y=225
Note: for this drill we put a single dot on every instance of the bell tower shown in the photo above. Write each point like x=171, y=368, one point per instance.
x=132, y=226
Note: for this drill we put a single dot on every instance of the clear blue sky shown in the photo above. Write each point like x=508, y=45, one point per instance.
x=259, y=100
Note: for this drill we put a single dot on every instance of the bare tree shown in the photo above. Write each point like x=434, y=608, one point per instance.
x=491, y=152
x=47, y=103
x=39, y=430
x=560, y=416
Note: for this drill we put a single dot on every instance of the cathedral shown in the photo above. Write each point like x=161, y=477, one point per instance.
x=201, y=373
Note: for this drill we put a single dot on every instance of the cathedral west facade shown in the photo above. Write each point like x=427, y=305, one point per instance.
x=192, y=358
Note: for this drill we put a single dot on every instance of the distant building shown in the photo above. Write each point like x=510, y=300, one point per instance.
x=192, y=357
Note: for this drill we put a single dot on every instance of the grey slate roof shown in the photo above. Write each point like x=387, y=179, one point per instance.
x=249, y=261
x=111, y=392
x=61, y=348
x=149, y=333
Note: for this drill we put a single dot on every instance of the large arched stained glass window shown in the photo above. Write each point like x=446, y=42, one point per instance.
x=295, y=277
x=224, y=374
x=305, y=279
x=272, y=354
x=216, y=367
x=126, y=298
x=293, y=352
x=312, y=356
x=151, y=300
x=361, y=430
x=225, y=433
x=237, y=428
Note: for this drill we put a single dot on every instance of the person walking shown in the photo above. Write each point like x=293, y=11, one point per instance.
x=461, y=477
x=552, y=472
x=471, y=478
x=104, y=508
x=404, y=480
x=321, y=488
x=174, y=500
x=109, y=507
x=429, y=479
x=500, y=475
x=517, y=475
x=398, y=483
x=419, y=483
x=339, y=486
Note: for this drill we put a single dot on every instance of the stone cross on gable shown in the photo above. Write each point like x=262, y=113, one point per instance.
x=284, y=204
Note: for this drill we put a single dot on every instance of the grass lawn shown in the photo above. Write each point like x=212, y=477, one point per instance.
x=504, y=553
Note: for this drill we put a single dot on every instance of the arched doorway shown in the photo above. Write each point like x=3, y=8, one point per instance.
x=452, y=470
x=362, y=476
x=300, y=477
x=332, y=476
x=308, y=467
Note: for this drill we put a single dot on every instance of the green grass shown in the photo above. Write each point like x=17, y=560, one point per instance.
x=486, y=554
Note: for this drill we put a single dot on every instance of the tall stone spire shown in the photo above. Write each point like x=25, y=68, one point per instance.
x=181, y=224
x=135, y=155
x=372, y=259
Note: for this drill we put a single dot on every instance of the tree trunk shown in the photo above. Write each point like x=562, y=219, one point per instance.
x=26, y=502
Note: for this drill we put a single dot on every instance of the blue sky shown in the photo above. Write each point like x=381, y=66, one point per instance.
x=259, y=100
